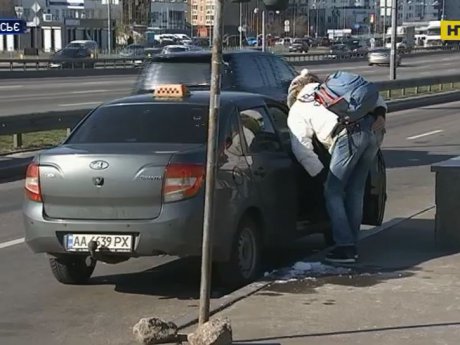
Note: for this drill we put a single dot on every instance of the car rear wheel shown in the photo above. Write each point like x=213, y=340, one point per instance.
x=244, y=264
x=72, y=269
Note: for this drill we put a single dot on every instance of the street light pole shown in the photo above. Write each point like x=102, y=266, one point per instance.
x=109, y=28
x=263, y=31
x=317, y=19
x=394, y=24
x=385, y=22
x=241, y=25
x=214, y=105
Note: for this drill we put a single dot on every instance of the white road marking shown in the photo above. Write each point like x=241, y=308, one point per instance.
x=76, y=104
x=89, y=91
x=10, y=86
x=425, y=134
x=11, y=243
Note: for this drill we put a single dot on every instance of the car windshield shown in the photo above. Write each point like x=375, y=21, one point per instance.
x=171, y=72
x=144, y=123
x=434, y=31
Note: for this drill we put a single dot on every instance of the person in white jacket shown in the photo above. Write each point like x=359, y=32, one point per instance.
x=346, y=176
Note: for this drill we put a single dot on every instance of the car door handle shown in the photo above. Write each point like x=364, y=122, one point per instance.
x=260, y=172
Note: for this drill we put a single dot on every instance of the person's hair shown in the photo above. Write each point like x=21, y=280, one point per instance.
x=299, y=83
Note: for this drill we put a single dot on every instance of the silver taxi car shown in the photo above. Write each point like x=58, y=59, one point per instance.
x=129, y=182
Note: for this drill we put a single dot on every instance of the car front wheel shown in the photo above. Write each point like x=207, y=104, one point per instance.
x=245, y=261
x=72, y=269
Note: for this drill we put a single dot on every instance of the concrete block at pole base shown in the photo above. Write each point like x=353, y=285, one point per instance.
x=214, y=332
x=151, y=330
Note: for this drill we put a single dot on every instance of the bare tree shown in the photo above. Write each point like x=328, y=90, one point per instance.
x=301, y=26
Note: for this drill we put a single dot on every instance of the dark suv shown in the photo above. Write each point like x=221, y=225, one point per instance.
x=249, y=71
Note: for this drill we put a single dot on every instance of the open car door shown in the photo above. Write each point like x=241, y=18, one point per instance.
x=375, y=194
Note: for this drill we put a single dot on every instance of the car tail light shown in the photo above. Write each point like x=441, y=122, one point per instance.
x=32, y=184
x=182, y=181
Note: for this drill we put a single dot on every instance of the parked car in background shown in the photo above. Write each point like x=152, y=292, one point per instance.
x=76, y=57
x=382, y=56
x=179, y=49
x=92, y=46
x=152, y=51
x=339, y=51
x=299, y=45
x=184, y=39
x=252, y=41
x=357, y=47
x=201, y=41
x=129, y=182
x=133, y=51
x=284, y=41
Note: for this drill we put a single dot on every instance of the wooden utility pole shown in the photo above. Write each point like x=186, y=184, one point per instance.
x=211, y=162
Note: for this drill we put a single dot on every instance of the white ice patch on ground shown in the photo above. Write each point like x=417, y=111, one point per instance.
x=304, y=270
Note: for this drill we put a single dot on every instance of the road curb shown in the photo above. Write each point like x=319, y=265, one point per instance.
x=248, y=290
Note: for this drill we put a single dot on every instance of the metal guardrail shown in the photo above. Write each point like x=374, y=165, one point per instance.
x=16, y=125
x=31, y=64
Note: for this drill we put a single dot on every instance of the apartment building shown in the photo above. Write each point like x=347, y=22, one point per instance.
x=136, y=12
x=418, y=10
x=168, y=15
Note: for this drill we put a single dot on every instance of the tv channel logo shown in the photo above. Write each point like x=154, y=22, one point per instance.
x=12, y=26
x=450, y=30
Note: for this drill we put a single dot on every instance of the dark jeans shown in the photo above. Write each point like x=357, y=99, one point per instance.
x=346, y=181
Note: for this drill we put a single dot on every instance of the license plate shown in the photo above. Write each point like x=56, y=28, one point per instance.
x=106, y=243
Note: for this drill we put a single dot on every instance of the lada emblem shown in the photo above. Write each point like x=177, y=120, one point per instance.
x=98, y=165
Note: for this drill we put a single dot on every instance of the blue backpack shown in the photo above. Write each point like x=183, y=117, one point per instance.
x=348, y=95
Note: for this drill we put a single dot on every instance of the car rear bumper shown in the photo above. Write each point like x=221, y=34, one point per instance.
x=177, y=231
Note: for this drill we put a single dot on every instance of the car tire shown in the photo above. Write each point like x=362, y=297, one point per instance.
x=245, y=260
x=371, y=64
x=72, y=269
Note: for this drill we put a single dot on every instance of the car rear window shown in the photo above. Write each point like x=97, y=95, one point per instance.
x=144, y=123
x=177, y=49
x=171, y=72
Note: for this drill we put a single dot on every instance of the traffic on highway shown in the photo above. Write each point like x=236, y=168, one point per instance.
x=41, y=95
x=105, y=226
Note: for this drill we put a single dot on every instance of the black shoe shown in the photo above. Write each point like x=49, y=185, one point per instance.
x=342, y=254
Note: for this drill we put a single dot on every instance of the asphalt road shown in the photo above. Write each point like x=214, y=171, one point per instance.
x=34, y=308
x=25, y=96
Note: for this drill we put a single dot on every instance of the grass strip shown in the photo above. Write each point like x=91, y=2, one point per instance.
x=30, y=141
